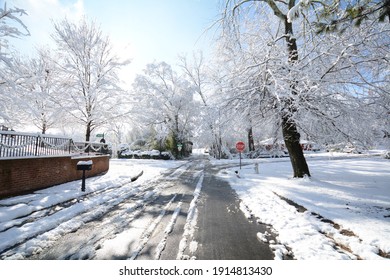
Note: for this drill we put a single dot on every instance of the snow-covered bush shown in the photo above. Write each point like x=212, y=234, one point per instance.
x=138, y=154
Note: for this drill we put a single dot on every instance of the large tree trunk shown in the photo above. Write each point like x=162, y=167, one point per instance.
x=291, y=139
x=290, y=132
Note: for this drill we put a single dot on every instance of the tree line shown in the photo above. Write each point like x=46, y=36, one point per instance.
x=317, y=70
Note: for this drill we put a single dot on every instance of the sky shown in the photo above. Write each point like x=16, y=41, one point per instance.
x=142, y=31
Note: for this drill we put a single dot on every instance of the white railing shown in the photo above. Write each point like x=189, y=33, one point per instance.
x=16, y=144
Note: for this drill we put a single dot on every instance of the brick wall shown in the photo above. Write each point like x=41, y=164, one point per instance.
x=25, y=175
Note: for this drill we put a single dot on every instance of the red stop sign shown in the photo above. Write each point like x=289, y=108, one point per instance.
x=240, y=146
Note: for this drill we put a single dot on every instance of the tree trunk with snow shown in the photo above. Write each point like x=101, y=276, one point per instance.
x=88, y=131
x=291, y=139
x=44, y=127
x=251, y=142
x=290, y=131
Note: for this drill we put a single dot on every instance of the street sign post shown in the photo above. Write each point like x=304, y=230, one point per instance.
x=240, y=146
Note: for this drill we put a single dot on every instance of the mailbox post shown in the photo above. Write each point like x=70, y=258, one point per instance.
x=84, y=166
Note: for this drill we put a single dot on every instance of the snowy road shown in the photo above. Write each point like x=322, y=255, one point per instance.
x=144, y=219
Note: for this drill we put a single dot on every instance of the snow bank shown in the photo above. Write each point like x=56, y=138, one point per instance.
x=351, y=196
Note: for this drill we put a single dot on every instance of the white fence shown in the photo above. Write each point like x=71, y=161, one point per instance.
x=15, y=144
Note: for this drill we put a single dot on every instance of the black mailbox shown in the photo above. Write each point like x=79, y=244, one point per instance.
x=84, y=166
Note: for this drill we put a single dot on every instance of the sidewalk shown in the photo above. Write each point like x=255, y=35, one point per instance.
x=224, y=233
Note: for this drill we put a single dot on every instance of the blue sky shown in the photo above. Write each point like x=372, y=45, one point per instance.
x=143, y=31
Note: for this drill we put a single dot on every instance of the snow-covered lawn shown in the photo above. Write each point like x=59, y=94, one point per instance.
x=351, y=195
x=49, y=213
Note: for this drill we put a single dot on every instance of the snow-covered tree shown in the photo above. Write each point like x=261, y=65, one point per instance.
x=287, y=93
x=314, y=84
x=8, y=30
x=11, y=26
x=165, y=101
x=91, y=92
x=40, y=88
x=337, y=15
x=198, y=74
